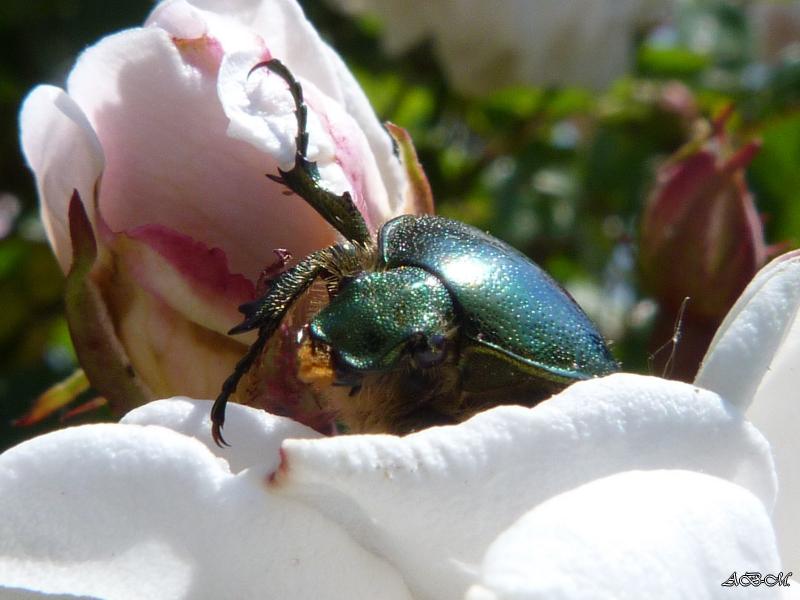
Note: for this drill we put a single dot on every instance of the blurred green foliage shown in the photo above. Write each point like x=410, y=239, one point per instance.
x=561, y=174
x=39, y=41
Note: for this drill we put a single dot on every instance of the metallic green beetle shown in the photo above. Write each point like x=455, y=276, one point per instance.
x=430, y=323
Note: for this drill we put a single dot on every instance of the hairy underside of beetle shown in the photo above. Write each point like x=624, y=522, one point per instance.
x=398, y=401
x=408, y=399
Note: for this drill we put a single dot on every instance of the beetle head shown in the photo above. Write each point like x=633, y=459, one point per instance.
x=381, y=317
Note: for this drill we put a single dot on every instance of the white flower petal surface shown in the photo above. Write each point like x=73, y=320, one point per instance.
x=762, y=327
x=754, y=360
x=432, y=502
x=311, y=59
x=130, y=511
x=63, y=151
x=634, y=535
x=258, y=434
x=260, y=109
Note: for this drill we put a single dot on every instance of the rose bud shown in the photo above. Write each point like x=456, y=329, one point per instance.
x=701, y=238
x=151, y=171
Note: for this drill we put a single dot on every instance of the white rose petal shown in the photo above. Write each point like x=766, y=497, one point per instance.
x=637, y=534
x=258, y=434
x=432, y=502
x=262, y=112
x=183, y=20
x=90, y=504
x=761, y=328
x=754, y=360
x=169, y=160
x=129, y=511
x=311, y=59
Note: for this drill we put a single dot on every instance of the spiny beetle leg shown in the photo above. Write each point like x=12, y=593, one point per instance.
x=282, y=71
x=242, y=367
x=266, y=314
x=303, y=178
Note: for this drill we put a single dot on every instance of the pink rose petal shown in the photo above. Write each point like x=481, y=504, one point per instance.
x=171, y=162
x=64, y=153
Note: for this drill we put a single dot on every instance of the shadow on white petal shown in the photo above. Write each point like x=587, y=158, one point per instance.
x=653, y=534
x=254, y=434
x=160, y=572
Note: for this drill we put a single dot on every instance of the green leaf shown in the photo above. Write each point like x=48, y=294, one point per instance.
x=775, y=175
x=670, y=62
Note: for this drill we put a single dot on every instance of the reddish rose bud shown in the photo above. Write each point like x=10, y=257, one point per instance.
x=701, y=238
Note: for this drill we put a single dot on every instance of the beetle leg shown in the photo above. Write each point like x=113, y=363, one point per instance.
x=303, y=177
x=265, y=314
x=229, y=386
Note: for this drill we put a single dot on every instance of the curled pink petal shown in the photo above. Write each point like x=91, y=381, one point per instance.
x=65, y=155
x=186, y=274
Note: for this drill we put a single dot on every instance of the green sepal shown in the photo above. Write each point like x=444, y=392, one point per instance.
x=99, y=351
x=421, y=194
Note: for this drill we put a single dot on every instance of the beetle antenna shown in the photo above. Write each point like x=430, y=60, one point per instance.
x=673, y=342
x=303, y=178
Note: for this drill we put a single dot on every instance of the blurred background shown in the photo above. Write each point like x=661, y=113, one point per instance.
x=576, y=134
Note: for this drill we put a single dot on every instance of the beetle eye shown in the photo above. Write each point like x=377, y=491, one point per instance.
x=344, y=375
x=428, y=351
